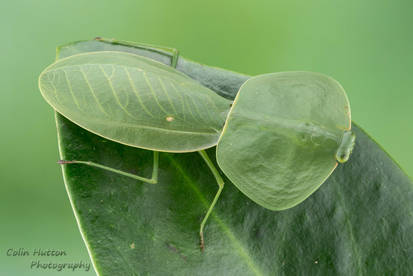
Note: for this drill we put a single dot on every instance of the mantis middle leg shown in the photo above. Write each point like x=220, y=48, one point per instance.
x=220, y=183
x=152, y=180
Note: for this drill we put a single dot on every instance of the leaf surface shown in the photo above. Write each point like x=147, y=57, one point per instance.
x=358, y=223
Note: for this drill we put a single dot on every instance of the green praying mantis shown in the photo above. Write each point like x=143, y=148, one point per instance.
x=278, y=141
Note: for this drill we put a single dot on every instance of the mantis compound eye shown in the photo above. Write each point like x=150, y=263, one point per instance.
x=346, y=146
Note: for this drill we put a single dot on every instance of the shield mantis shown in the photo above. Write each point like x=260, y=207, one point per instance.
x=278, y=141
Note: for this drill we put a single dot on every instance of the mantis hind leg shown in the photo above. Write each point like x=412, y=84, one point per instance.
x=165, y=51
x=220, y=183
x=152, y=180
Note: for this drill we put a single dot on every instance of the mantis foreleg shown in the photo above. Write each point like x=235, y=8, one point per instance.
x=220, y=183
x=152, y=180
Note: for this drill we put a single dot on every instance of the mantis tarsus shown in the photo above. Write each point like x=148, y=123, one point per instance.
x=294, y=125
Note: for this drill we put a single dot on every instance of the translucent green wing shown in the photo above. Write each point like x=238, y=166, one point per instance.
x=135, y=101
x=281, y=137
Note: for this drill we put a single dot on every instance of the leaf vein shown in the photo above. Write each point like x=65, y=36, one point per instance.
x=114, y=92
x=92, y=91
x=153, y=93
x=71, y=90
x=167, y=95
x=136, y=91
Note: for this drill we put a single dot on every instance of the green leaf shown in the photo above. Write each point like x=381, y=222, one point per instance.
x=135, y=101
x=358, y=223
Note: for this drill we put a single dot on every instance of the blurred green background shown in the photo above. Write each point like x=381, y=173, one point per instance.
x=366, y=45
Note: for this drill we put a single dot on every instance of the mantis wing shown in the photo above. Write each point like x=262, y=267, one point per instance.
x=280, y=140
x=135, y=101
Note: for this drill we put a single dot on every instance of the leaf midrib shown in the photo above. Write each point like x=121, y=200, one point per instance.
x=130, y=125
x=236, y=243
